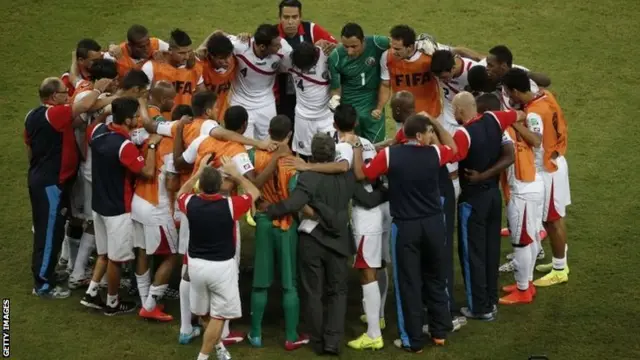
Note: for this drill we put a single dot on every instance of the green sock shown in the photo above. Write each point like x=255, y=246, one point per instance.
x=258, y=304
x=291, y=307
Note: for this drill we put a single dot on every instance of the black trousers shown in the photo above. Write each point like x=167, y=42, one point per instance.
x=418, y=249
x=323, y=272
x=479, y=222
x=287, y=102
x=49, y=207
x=448, y=195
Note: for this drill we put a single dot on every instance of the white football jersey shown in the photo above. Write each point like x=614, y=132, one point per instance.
x=450, y=89
x=364, y=221
x=81, y=133
x=312, y=90
x=255, y=77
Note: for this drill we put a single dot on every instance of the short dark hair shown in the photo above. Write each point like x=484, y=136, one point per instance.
x=103, y=68
x=323, y=148
x=219, y=45
x=416, y=124
x=279, y=127
x=210, y=180
x=136, y=32
x=517, y=79
x=124, y=108
x=134, y=79
x=488, y=102
x=179, y=38
x=304, y=56
x=265, y=34
x=201, y=101
x=49, y=87
x=84, y=46
x=442, y=61
x=404, y=33
x=502, y=54
x=345, y=117
x=235, y=118
x=351, y=30
x=180, y=111
x=479, y=79
x=289, y=3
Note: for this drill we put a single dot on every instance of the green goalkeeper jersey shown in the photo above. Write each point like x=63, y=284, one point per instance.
x=359, y=78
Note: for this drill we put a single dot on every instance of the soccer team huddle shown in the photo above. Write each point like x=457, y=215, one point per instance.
x=154, y=148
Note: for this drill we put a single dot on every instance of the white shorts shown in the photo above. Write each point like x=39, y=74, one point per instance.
x=81, y=198
x=156, y=239
x=370, y=251
x=524, y=215
x=214, y=288
x=305, y=129
x=557, y=194
x=114, y=236
x=259, y=119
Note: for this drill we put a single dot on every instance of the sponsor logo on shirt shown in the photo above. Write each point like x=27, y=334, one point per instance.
x=371, y=61
x=275, y=65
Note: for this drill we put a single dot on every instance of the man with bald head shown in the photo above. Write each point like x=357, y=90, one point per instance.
x=53, y=164
x=161, y=101
x=479, y=143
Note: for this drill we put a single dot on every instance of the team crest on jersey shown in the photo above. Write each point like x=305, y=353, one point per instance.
x=275, y=65
x=325, y=75
x=300, y=144
x=371, y=61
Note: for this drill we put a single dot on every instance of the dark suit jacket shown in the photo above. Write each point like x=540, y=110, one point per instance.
x=329, y=196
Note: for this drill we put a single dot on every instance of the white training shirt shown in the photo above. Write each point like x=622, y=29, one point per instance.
x=505, y=99
x=255, y=77
x=312, y=90
x=81, y=133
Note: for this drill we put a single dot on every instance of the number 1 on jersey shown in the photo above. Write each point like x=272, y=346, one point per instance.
x=363, y=79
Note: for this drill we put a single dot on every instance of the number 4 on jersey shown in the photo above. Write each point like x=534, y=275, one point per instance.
x=300, y=85
x=244, y=72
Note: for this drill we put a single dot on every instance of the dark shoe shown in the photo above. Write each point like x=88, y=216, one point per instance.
x=93, y=302
x=123, y=307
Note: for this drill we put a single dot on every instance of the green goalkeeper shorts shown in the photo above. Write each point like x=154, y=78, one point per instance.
x=274, y=246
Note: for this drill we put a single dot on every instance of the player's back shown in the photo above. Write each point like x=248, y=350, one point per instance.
x=254, y=79
x=218, y=149
x=277, y=187
x=554, y=133
x=219, y=81
x=414, y=75
x=312, y=89
x=450, y=89
x=184, y=80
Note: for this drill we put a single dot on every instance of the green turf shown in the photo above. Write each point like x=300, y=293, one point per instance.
x=587, y=47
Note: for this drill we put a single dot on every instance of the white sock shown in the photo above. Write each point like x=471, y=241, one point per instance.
x=383, y=284
x=202, y=356
x=559, y=264
x=566, y=250
x=74, y=245
x=456, y=187
x=64, y=254
x=225, y=330
x=93, y=288
x=112, y=300
x=220, y=346
x=371, y=302
x=143, y=282
x=103, y=281
x=87, y=245
x=534, y=248
x=522, y=264
x=185, y=308
x=155, y=293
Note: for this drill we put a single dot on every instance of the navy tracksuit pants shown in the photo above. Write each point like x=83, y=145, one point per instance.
x=418, y=251
x=479, y=222
x=49, y=205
